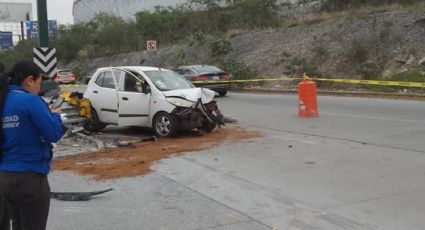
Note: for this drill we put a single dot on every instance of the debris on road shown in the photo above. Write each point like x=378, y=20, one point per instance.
x=227, y=119
x=111, y=163
x=76, y=196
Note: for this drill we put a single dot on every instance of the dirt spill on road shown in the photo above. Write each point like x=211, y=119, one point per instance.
x=114, y=163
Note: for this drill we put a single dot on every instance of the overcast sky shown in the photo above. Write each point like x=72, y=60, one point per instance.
x=60, y=10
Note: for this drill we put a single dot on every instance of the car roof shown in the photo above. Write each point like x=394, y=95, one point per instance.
x=191, y=66
x=135, y=68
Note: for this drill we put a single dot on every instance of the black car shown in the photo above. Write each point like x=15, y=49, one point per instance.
x=205, y=75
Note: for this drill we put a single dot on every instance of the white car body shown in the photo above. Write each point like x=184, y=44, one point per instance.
x=117, y=103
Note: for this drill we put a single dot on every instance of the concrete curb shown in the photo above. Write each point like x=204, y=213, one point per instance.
x=341, y=93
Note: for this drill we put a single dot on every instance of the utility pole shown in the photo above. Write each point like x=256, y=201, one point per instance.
x=43, y=34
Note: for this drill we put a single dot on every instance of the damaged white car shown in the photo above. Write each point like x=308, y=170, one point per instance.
x=150, y=97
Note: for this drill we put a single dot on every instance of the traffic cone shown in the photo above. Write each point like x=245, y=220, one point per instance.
x=307, y=98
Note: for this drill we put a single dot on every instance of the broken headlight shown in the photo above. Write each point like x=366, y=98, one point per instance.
x=180, y=102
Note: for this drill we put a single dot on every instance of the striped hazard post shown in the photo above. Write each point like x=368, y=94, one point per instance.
x=45, y=58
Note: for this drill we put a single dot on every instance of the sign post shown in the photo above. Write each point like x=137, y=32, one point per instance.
x=44, y=57
x=151, y=45
x=43, y=35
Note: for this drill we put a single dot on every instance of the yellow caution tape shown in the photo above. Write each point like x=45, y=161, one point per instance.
x=243, y=81
x=376, y=82
x=348, y=81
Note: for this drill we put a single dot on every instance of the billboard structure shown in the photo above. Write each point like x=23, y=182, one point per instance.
x=32, y=29
x=11, y=17
x=15, y=12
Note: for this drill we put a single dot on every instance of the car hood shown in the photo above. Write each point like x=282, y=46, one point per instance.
x=192, y=94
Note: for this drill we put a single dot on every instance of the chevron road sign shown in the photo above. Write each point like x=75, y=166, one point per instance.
x=45, y=58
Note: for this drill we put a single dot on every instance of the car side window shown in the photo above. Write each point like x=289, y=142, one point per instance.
x=131, y=84
x=99, y=80
x=184, y=71
x=181, y=71
x=108, y=80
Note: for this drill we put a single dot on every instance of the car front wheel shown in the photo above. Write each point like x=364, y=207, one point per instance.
x=222, y=93
x=165, y=125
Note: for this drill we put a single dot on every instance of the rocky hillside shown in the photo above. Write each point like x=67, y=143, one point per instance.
x=366, y=46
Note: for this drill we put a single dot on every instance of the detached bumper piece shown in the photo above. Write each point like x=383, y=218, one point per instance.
x=76, y=196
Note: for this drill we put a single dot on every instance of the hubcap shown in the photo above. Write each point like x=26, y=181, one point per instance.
x=163, y=125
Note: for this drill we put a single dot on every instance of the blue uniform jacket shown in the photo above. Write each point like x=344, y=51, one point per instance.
x=29, y=129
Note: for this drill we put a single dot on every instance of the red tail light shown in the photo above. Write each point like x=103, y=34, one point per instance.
x=58, y=77
x=199, y=78
x=226, y=75
x=73, y=76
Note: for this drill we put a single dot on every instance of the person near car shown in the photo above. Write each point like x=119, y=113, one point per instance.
x=28, y=128
x=4, y=215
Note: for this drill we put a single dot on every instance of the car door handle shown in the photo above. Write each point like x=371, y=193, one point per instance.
x=95, y=91
x=125, y=98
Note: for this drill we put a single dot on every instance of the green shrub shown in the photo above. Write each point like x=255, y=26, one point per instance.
x=369, y=70
x=411, y=75
x=299, y=66
x=239, y=71
x=358, y=52
x=220, y=47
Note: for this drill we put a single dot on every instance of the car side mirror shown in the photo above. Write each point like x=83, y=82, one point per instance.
x=146, y=89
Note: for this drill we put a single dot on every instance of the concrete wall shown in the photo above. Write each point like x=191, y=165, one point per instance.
x=85, y=10
x=15, y=12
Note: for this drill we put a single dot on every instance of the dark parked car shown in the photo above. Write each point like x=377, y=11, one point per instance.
x=208, y=74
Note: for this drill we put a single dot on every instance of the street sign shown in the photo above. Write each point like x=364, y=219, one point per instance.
x=6, y=41
x=32, y=29
x=45, y=59
x=151, y=45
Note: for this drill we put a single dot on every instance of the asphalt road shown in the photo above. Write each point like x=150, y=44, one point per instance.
x=359, y=165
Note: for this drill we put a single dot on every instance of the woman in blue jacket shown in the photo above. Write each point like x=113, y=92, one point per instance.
x=28, y=128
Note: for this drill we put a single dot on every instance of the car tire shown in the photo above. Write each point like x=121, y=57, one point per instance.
x=222, y=93
x=208, y=127
x=94, y=124
x=164, y=125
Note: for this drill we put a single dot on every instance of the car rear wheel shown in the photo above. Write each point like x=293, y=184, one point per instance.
x=164, y=125
x=94, y=124
x=222, y=93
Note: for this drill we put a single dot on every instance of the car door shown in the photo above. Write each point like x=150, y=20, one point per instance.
x=133, y=101
x=104, y=97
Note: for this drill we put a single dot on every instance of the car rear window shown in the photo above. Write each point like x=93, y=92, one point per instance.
x=206, y=69
x=64, y=71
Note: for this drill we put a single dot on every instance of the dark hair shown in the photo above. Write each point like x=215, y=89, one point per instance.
x=20, y=71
